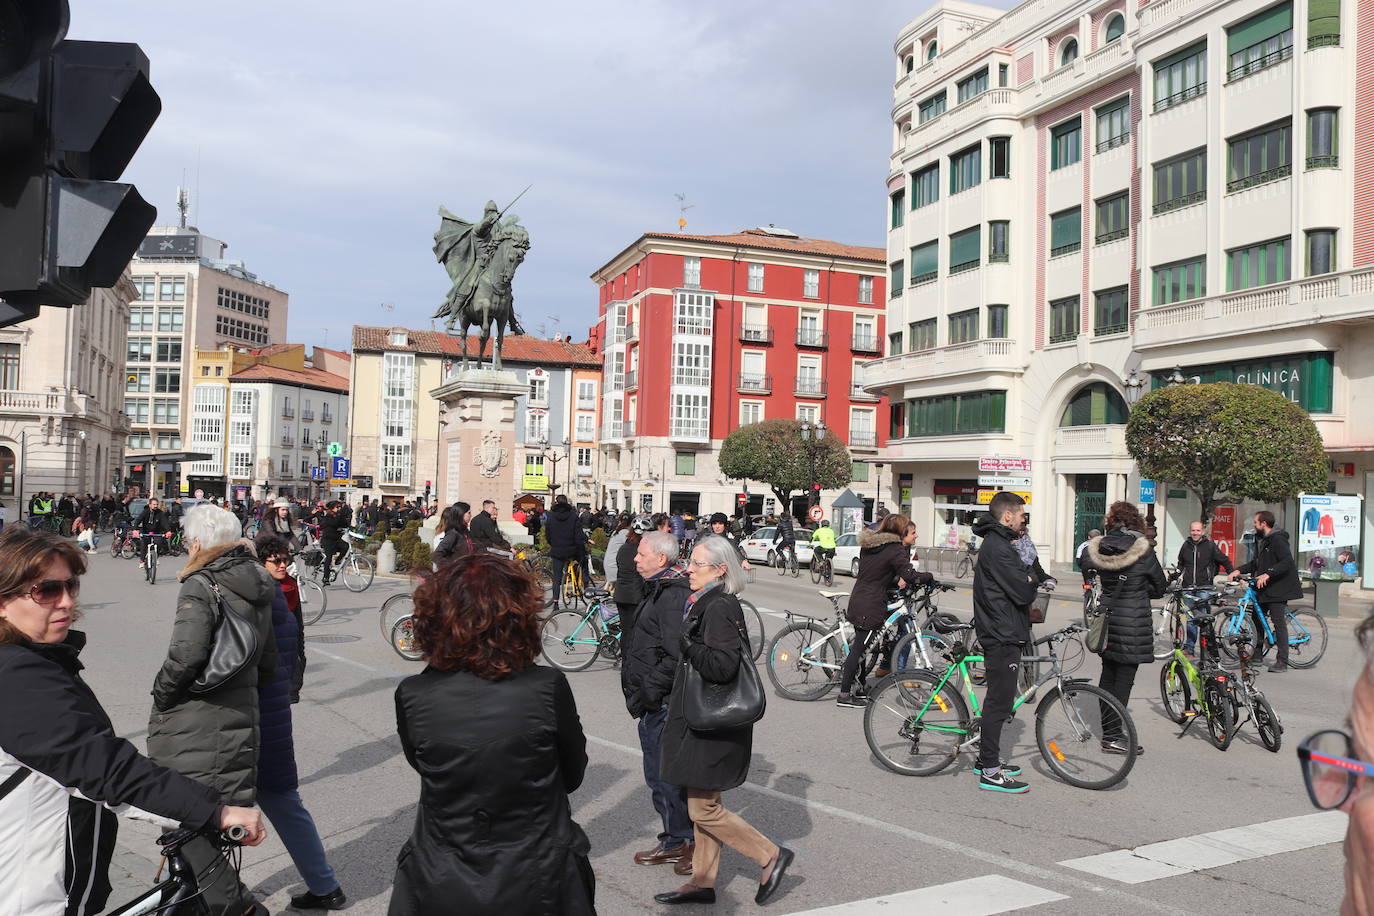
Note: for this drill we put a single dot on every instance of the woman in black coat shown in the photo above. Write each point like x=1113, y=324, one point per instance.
x=1125, y=562
x=884, y=558
x=629, y=584
x=707, y=763
x=457, y=540
x=498, y=745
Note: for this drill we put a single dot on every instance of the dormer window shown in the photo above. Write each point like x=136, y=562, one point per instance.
x=398, y=339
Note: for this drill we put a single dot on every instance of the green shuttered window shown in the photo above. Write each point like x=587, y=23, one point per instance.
x=957, y=414
x=1180, y=280
x=925, y=186
x=1323, y=23
x=1257, y=265
x=965, y=169
x=1066, y=231
x=1111, y=311
x=1181, y=76
x=925, y=262
x=1066, y=144
x=1259, y=157
x=965, y=248
x=1113, y=218
x=1261, y=41
x=1181, y=181
x=1063, y=319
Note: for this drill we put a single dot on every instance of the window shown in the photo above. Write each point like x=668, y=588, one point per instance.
x=858, y=472
x=398, y=392
x=539, y=391
x=691, y=272
x=140, y=350
x=1323, y=23
x=932, y=107
x=537, y=425
x=1180, y=280
x=1259, y=42
x=166, y=410
x=1063, y=319
x=691, y=363
x=932, y=49
x=925, y=262
x=1066, y=144
x=894, y=343
x=808, y=413
x=898, y=211
x=144, y=286
x=1181, y=76
x=168, y=351
x=136, y=410
x=998, y=230
x=1323, y=149
x=925, y=186
x=171, y=320
x=140, y=319
x=1257, y=265
x=1068, y=52
x=1097, y=404
x=999, y=157
x=865, y=333
x=963, y=326
x=138, y=380
x=398, y=338
x=586, y=394
x=242, y=302
x=692, y=313
x=965, y=249
x=897, y=271
x=910, y=63
x=1116, y=27
x=9, y=367
x=171, y=289
x=965, y=169
x=1113, y=218
x=690, y=417
x=811, y=284
x=1259, y=157
x=584, y=460
x=866, y=290
x=1111, y=314
x=240, y=464
x=1321, y=251
x=1066, y=231
x=750, y=412
x=973, y=86
x=756, y=277
x=1003, y=72
x=395, y=463
x=1181, y=182
x=957, y=414
x=923, y=335
x=243, y=403
x=686, y=464
x=1113, y=124
x=997, y=321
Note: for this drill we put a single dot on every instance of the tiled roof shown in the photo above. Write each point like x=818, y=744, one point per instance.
x=754, y=238
x=339, y=353
x=274, y=349
x=313, y=378
x=521, y=348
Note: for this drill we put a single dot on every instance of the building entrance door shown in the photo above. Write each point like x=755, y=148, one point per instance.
x=1089, y=506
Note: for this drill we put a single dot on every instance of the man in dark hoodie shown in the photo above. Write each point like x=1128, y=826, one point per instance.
x=1003, y=591
x=1199, y=559
x=567, y=541
x=1276, y=580
x=651, y=659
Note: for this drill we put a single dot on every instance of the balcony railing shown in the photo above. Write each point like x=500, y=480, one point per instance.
x=1090, y=441
x=863, y=438
x=631, y=379
x=857, y=392
x=964, y=266
x=807, y=387
x=1178, y=203
x=612, y=430
x=1323, y=162
x=326, y=417
x=1113, y=142
x=34, y=402
x=756, y=333
x=629, y=428
x=1183, y=95
x=1259, y=63
x=1259, y=178
x=998, y=354
x=307, y=416
x=1068, y=248
x=922, y=279
x=1112, y=235
x=865, y=343
x=811, y=337
x=750, y=383
x=288, y=441
x=288, y=413
x=1323, y=41
x=631, y=331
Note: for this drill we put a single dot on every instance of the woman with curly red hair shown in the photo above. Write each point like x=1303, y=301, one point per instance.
x=498, y=745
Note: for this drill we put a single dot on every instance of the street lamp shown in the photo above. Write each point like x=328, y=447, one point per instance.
x=1135, y=388
x=812, y=435
x=1177, y=377
x=553, y=458
x=877, y=489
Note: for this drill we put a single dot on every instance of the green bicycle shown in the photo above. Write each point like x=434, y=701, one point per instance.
x=917, y=721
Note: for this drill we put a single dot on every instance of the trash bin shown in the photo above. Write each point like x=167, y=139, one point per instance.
x=1326, y=597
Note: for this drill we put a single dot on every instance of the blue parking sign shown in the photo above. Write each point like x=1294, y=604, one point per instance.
x=339, y=468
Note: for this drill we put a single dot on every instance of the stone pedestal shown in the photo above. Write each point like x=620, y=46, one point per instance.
x=477, y=438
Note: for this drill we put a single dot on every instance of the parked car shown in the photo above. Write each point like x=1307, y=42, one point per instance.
x=759, y=547
x=847, y=554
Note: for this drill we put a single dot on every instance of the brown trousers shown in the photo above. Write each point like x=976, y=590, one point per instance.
x=715, y=827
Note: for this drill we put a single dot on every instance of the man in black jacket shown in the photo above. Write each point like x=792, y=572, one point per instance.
x=1199, y=559
x=333, y=523
x=485, y=534
x=1003, y=591
x=567, y=541
x=1276, y=581
x=651, y=658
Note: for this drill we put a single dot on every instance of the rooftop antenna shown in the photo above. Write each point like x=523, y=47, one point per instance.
x=557, y=323
x=682, y=207
x=183, y=201
x=388, y=306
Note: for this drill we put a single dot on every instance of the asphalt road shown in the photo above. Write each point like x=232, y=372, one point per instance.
x=928, y=845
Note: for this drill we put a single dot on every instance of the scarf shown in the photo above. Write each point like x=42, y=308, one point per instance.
x=696, y=596
x=1025, y=549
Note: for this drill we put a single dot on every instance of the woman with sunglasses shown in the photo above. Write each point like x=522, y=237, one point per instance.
x=64, y=775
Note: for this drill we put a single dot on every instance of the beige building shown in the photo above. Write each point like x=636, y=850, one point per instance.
x=61, y=429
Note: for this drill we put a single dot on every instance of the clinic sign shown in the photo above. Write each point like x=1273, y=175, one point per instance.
x=1303, y=378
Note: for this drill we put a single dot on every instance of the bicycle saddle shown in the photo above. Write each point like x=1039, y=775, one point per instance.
x=595, y=592
x=947, y=623
x=833, y=594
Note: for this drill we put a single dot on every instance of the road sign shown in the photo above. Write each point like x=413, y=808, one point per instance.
x=362, y=480
x=340, y=467
x=340, y=482
x=998, y=465
x=335, y=450
x=985, y=496
x=1005, y=482
x=741, y=499
x=319, y=473
x=815, y=513
x=1147, y=491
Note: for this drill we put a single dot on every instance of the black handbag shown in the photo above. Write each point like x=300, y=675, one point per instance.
x=711, y=707
x=234, y=646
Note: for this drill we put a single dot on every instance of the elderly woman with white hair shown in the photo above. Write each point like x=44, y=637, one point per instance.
x=707, y=763
x=208, y=729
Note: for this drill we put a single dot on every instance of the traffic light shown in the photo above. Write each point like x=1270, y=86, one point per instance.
x=72, y=115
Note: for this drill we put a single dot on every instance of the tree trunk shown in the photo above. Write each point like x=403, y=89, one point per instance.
x=784, y=499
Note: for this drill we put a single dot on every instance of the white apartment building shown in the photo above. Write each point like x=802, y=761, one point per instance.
x=1080, y=191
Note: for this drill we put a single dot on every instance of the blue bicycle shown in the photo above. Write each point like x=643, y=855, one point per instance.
x=1236, y=627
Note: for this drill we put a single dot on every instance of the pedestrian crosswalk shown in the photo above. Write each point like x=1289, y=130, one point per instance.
x=982, y=896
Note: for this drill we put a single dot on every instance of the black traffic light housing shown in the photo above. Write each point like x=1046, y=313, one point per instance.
x=72, y=115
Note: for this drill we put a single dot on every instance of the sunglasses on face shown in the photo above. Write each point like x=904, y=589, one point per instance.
x=1328, y=768
x=49, y=591
x=277, y=561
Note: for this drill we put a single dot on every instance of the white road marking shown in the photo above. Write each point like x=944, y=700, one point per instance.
x=1211, y=850
x=983, y=896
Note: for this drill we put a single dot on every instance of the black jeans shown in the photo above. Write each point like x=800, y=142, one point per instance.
x=1002, y=664
x=333, y=550
x=862, y=640
x=1117, y=679
x=670, y=801
x=1277, y=611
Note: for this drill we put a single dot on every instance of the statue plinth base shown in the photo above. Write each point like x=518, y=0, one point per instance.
x=477, y=438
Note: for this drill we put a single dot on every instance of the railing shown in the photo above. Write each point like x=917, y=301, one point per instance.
x=1113, y=142
x=1090, y=440
x=288, y=441
x=863, y=438
x=1178, y=98
x=964, y=266
x=1068, y=248
x=1323, y=162
x=1064, y=336
x=307, y=416
x=612, y=430
x=1088, y=67
x=811, y=337
x=1259, y=63
x=631, y=379
x=1323, y=41
x=864, y=343
x=1178, y=203
x=326, y=417
x=922, y=279
x=999, y=257
x=1163, y=12
x=755, y=333
x=857, y=392
x=998, y=353
x=1112, y=235
x=755, y=384
x=962, y=115
x=1259, y=178
x=631, y=331
x=1102, y=330
x=807, y=387
x=288, y=413
x=33, y=401
x=586, y=403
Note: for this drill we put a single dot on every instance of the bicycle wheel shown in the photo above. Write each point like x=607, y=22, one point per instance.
x=1267, y=722
x=313, y=601
x=804, y=661
x=913, y=725
x=403, y=639
x=829, y=573
x=1072, y=724
x=544, y=576
x=1306, y=639
x=357, y=572
x=963, y=569
x=116, y=546
x=150, y=567
x=779, y=562
x=1163, y=627
x=1236, y=639
x=817, y=573
x=392, y=610
x=753, y=626
x=571, y=640
x=1174, y=691
x=919, y=650
x=1221, y=713
x=572, y=585
x=792, y=564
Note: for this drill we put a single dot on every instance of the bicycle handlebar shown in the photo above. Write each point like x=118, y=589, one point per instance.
x=1059, y=635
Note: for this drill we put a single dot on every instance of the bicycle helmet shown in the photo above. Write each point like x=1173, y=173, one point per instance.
x=642, y=524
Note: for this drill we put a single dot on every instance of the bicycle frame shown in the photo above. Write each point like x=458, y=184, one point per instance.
x=1249, y=604
x=594, y=609
x=843, y=630
x=960, y=666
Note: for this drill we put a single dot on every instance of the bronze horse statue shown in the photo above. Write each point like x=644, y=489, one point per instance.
x=492, y=304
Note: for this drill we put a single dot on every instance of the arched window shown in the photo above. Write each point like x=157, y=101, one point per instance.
x=1097, y=404
x=1069, y=53
x=910, y=62
x=1116, y=27
x=7, y=470
x=931, y=50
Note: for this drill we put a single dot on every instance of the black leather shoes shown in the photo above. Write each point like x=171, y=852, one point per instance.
x=770, y=887
x=700, y=895
x=334, y=900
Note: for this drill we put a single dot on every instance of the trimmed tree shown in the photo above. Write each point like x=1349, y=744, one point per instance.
x=773, y=452
x=1223, y=439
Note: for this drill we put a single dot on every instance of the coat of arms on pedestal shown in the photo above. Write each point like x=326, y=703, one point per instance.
x=490, y=455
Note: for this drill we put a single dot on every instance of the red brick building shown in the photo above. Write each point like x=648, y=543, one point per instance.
x=701, y=335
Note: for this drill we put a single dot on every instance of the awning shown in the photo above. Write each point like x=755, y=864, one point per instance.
x=168, y=457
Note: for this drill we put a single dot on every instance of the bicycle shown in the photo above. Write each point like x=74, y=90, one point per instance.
x=355, y=568
x=312, y=594
x=1306, y=630
x=179, y=894
x=940, y=633
x=822, y=568
x=1165, y=621
x=917, y=722
x=122, y=544
x=966, y=562
x=785, y=559
x=1191, y=691
x=150, y=552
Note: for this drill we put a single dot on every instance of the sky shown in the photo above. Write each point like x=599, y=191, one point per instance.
x=318, y=139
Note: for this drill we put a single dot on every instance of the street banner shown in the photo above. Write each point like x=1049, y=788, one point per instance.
x=1328, y=521
x=1224, y=529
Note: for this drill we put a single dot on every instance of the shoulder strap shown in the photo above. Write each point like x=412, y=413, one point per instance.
x=15, y=778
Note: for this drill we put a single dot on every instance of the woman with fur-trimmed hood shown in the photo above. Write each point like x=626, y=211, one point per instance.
x=1125, y=562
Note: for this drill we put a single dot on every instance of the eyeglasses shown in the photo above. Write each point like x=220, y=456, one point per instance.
x=277, y=561
x=1329, y=769
x=699, y=564
x=49, y=591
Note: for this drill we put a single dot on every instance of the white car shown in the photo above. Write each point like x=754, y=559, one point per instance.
x=759, y=547
x=847, y=554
